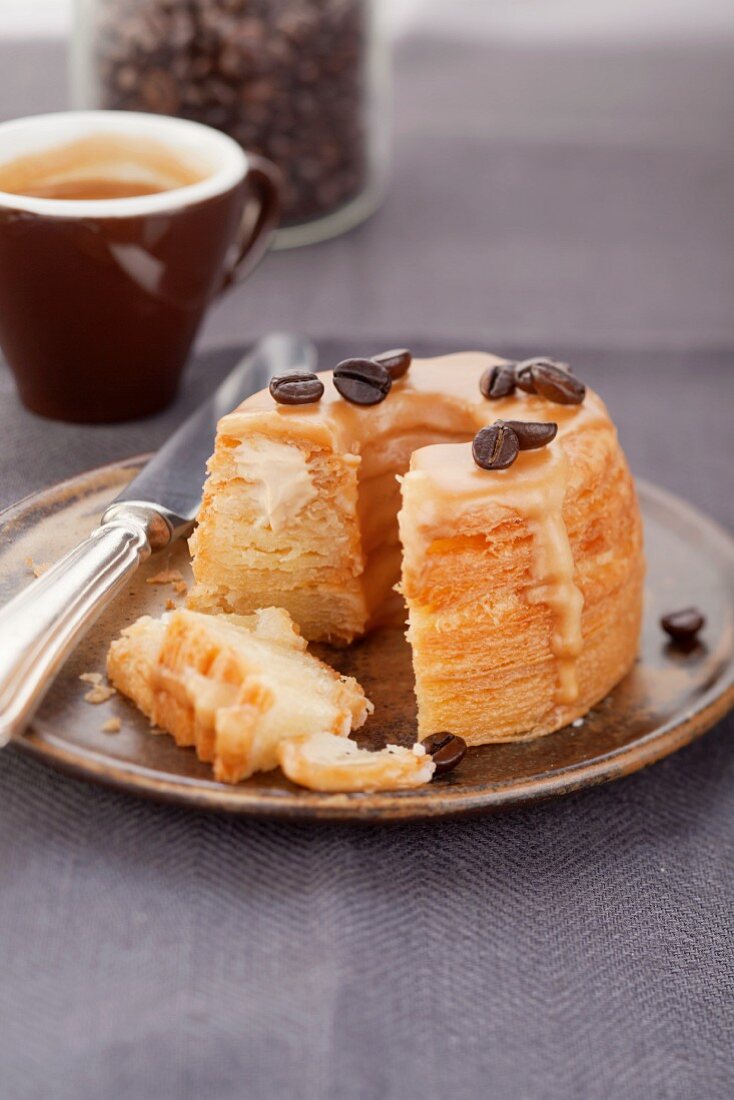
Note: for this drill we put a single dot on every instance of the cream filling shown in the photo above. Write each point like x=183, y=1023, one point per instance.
x=279, y=476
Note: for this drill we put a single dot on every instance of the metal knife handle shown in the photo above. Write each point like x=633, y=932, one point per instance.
x=43, y=623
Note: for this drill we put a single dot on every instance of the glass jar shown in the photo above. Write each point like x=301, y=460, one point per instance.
x=303, y=82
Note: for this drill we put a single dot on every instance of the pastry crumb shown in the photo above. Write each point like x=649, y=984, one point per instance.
x=180, y=587
x=112, y=725
x=167, y=576
x=99, y=694
x=91, y=677
x=170, y=605
x=37, y=568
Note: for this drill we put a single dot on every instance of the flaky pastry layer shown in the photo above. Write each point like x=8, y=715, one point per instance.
x=323, y=762
x=232, y=686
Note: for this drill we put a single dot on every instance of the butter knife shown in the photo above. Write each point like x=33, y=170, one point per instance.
x=41, y=625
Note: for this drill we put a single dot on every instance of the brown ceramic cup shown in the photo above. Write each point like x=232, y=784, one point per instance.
x=101, y=298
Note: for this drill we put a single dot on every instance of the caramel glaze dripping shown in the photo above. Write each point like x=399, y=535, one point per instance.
x=553, y=571
x=534, y=488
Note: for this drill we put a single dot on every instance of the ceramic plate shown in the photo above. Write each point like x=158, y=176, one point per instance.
x=667, y=700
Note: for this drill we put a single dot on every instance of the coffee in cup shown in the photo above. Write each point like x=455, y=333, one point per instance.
x=117, y=230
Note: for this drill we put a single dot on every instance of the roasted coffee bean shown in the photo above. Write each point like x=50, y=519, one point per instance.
x=498, y=382
x=447, y=750
x=683, y=626
x=524, y=372
x=285, y=78
x=524, y=376
x=496, y=447
x=296, y=389
x=532, y=434
x=557, y=385
x=396, y=362
x=362, y=381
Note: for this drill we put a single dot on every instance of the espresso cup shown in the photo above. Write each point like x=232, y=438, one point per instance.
x=101, y=297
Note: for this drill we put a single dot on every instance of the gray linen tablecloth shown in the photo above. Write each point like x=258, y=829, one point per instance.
x=577, y=950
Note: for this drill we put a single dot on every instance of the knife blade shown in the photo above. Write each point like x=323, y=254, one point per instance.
x=42, y=624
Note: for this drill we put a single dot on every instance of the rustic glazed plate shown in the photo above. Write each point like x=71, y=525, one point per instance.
x=667, y=700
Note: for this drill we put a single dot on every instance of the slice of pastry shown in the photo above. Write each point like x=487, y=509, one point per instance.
x=232, y=686
x=324, y=762
x=524, y=585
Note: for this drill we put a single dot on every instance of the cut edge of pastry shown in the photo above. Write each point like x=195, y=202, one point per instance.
x=323, y=762
x=232, y=687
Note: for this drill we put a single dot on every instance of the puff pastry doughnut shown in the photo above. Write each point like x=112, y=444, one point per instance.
x=523, y=586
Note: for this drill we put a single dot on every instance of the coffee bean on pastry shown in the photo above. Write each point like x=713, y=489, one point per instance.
x=496, y=447
x=556, y=384
x=683, y=626
x=447, y=750
x=362, y=381
x=396, y=362
x=498, y=382
x=296, y=389
x=524, y=377
x=532, y=434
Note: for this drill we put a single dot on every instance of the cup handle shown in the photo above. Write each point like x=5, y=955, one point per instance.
x=259, y=220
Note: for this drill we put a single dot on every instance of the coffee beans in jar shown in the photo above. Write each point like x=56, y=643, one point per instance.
x=293, y=80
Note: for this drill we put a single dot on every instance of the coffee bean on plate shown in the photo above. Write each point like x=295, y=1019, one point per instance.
x=447, y=750
x=683, y=626
x=495, y=447
x=362, y=381
x=532, y=434
x=396, y=362
x=498, y=382
x=296, y=389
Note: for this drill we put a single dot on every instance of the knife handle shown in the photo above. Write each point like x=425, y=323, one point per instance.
x=42, y=624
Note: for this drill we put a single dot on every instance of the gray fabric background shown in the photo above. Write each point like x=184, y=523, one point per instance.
x=578, y=950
